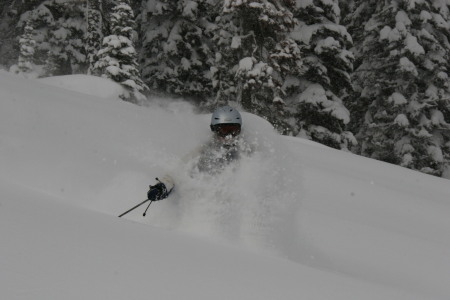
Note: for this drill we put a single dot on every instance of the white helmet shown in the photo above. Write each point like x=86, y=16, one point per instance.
x=226, y=116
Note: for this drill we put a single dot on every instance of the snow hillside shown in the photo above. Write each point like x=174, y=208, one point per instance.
x=293, y=220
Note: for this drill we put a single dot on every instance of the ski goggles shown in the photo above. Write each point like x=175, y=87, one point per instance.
x=224, y=130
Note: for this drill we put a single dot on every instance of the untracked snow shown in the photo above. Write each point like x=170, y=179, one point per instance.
x=292, y=220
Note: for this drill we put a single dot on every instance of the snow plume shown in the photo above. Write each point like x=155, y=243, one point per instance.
x=235, y=206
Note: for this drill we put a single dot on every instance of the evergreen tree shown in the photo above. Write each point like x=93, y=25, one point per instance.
x=358, y=14
x=118, y=57
x=59, y=30
x=11, y=28
x=404, y=77
x=248, y=39
x=317, y=94
x=347, y=9
x=176, y=47
x=69, y=36
x=27, y=43
x=94, y=31
x=51, y=64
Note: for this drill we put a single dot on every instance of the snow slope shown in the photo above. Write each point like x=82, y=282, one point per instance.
x=294, y=220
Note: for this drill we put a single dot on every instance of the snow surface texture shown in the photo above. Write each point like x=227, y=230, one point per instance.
x=293, y=220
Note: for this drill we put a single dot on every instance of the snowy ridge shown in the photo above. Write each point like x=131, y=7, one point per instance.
x=293, y=220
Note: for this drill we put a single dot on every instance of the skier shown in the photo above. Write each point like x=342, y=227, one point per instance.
x=213, y=157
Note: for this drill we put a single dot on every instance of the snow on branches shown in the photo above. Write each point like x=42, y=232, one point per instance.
x=117, y=59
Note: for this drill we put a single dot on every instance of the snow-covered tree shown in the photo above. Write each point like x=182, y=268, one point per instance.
x=94, y=34
x=176, y=46
x=68, y=37
x=248, y=41
x=11, y=28
x=317, y=91
x=27, y=45
x=357, y=15
x=118, y=58
x=51, y=64
x=404, y=76
x=59, y=29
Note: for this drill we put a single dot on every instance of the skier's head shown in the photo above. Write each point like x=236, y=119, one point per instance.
x=226, y=122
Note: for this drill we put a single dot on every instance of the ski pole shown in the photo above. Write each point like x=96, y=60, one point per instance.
x=145, y=212
x=136, y=207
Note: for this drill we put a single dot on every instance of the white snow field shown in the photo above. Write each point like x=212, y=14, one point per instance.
x=293, y=220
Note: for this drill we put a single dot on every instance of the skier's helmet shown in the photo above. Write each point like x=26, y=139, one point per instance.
x=226, y=121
